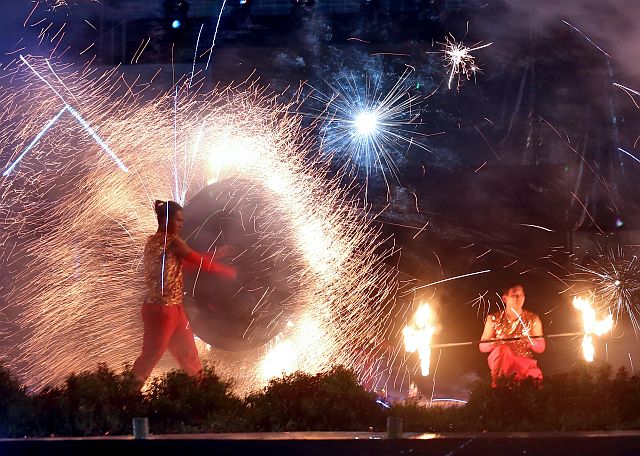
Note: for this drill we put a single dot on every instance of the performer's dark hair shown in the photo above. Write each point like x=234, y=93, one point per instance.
x=505, y=290
x=161, y=208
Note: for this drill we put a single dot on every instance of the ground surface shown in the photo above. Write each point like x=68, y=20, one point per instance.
x=340, y=443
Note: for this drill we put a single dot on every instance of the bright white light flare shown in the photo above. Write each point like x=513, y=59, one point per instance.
x=279, y=360
x=366, y=123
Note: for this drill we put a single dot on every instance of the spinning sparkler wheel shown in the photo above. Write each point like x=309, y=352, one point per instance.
x=238, y=216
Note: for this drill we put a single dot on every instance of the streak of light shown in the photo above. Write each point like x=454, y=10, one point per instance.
x=49, y=124
x=215, y=34
x=629, y=154
x=78, y=117
x=537, y=226
x=453, y=278
x=524, y=327
x=195, y=55
x=587, y=38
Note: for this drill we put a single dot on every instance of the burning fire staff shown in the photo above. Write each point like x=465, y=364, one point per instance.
x=511, y=336
x=513, y=357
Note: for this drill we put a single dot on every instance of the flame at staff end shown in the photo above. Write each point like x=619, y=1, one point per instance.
x=591, y=325
x=417, y=336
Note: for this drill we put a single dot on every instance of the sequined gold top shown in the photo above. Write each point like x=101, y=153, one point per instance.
x=163, y=279
x=504, y=328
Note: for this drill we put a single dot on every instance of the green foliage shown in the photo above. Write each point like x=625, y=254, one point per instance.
x=90, y=403
x=105, y=402
x=178, y=402
x=586, y=398
x=327, y=401
x=15, y=406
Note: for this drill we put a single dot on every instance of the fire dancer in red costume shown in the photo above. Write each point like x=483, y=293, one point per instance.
x=514, y=357
x=164, y=318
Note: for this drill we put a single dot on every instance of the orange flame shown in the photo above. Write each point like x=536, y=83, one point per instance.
x=592, y=326
x=417, y=336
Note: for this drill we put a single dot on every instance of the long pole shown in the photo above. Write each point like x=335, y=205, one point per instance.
x=506, y=339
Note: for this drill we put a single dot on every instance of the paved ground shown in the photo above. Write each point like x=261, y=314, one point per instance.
x=339, y=443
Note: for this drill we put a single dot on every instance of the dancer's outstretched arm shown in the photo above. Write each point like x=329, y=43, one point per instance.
x=204, y=261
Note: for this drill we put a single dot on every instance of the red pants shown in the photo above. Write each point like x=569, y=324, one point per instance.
x=503, y=362
x=166, y=327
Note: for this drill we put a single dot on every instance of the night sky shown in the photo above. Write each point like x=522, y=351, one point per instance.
x=520, y=170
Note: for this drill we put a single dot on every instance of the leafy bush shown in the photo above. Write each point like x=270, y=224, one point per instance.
x=104, y=402
x=90, y=403
x=332, y=400
x=586, y=398
x=178, y=402
x=15, y=405
x=417, y=418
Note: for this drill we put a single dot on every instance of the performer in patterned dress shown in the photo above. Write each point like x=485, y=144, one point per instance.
x=165, y=321
x=513, y=357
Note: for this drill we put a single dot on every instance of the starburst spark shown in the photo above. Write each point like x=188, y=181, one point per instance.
x=614, y=277
x=459, y=59
x=369, y=128
x=74, y=226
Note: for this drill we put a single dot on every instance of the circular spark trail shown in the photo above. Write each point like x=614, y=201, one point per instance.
x=74, y=225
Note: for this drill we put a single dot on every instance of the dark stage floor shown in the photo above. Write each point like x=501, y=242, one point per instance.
x=340, y=443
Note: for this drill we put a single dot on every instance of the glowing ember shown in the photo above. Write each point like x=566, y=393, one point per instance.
x=592, y=326
x=417, y=336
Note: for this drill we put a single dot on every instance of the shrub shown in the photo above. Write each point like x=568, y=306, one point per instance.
x=90, y=403
x=586, y=398
x=181, y=403
x=15, y=406
x=332, y=400
x=104, y=402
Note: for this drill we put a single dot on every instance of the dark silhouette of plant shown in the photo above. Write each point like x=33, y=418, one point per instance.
x=15, y=405
x=178, y=402
x=332, y=400
x=104, y=402
x=90, y=403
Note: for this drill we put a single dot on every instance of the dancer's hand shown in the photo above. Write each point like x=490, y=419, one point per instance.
x=202, y=261
x=224, y=251
x=226, y=271
x=207, y=263
x=537, y=345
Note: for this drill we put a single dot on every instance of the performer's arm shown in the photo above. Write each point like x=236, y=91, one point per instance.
x=204, y=261
x=488, y=333
x=538, y=345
